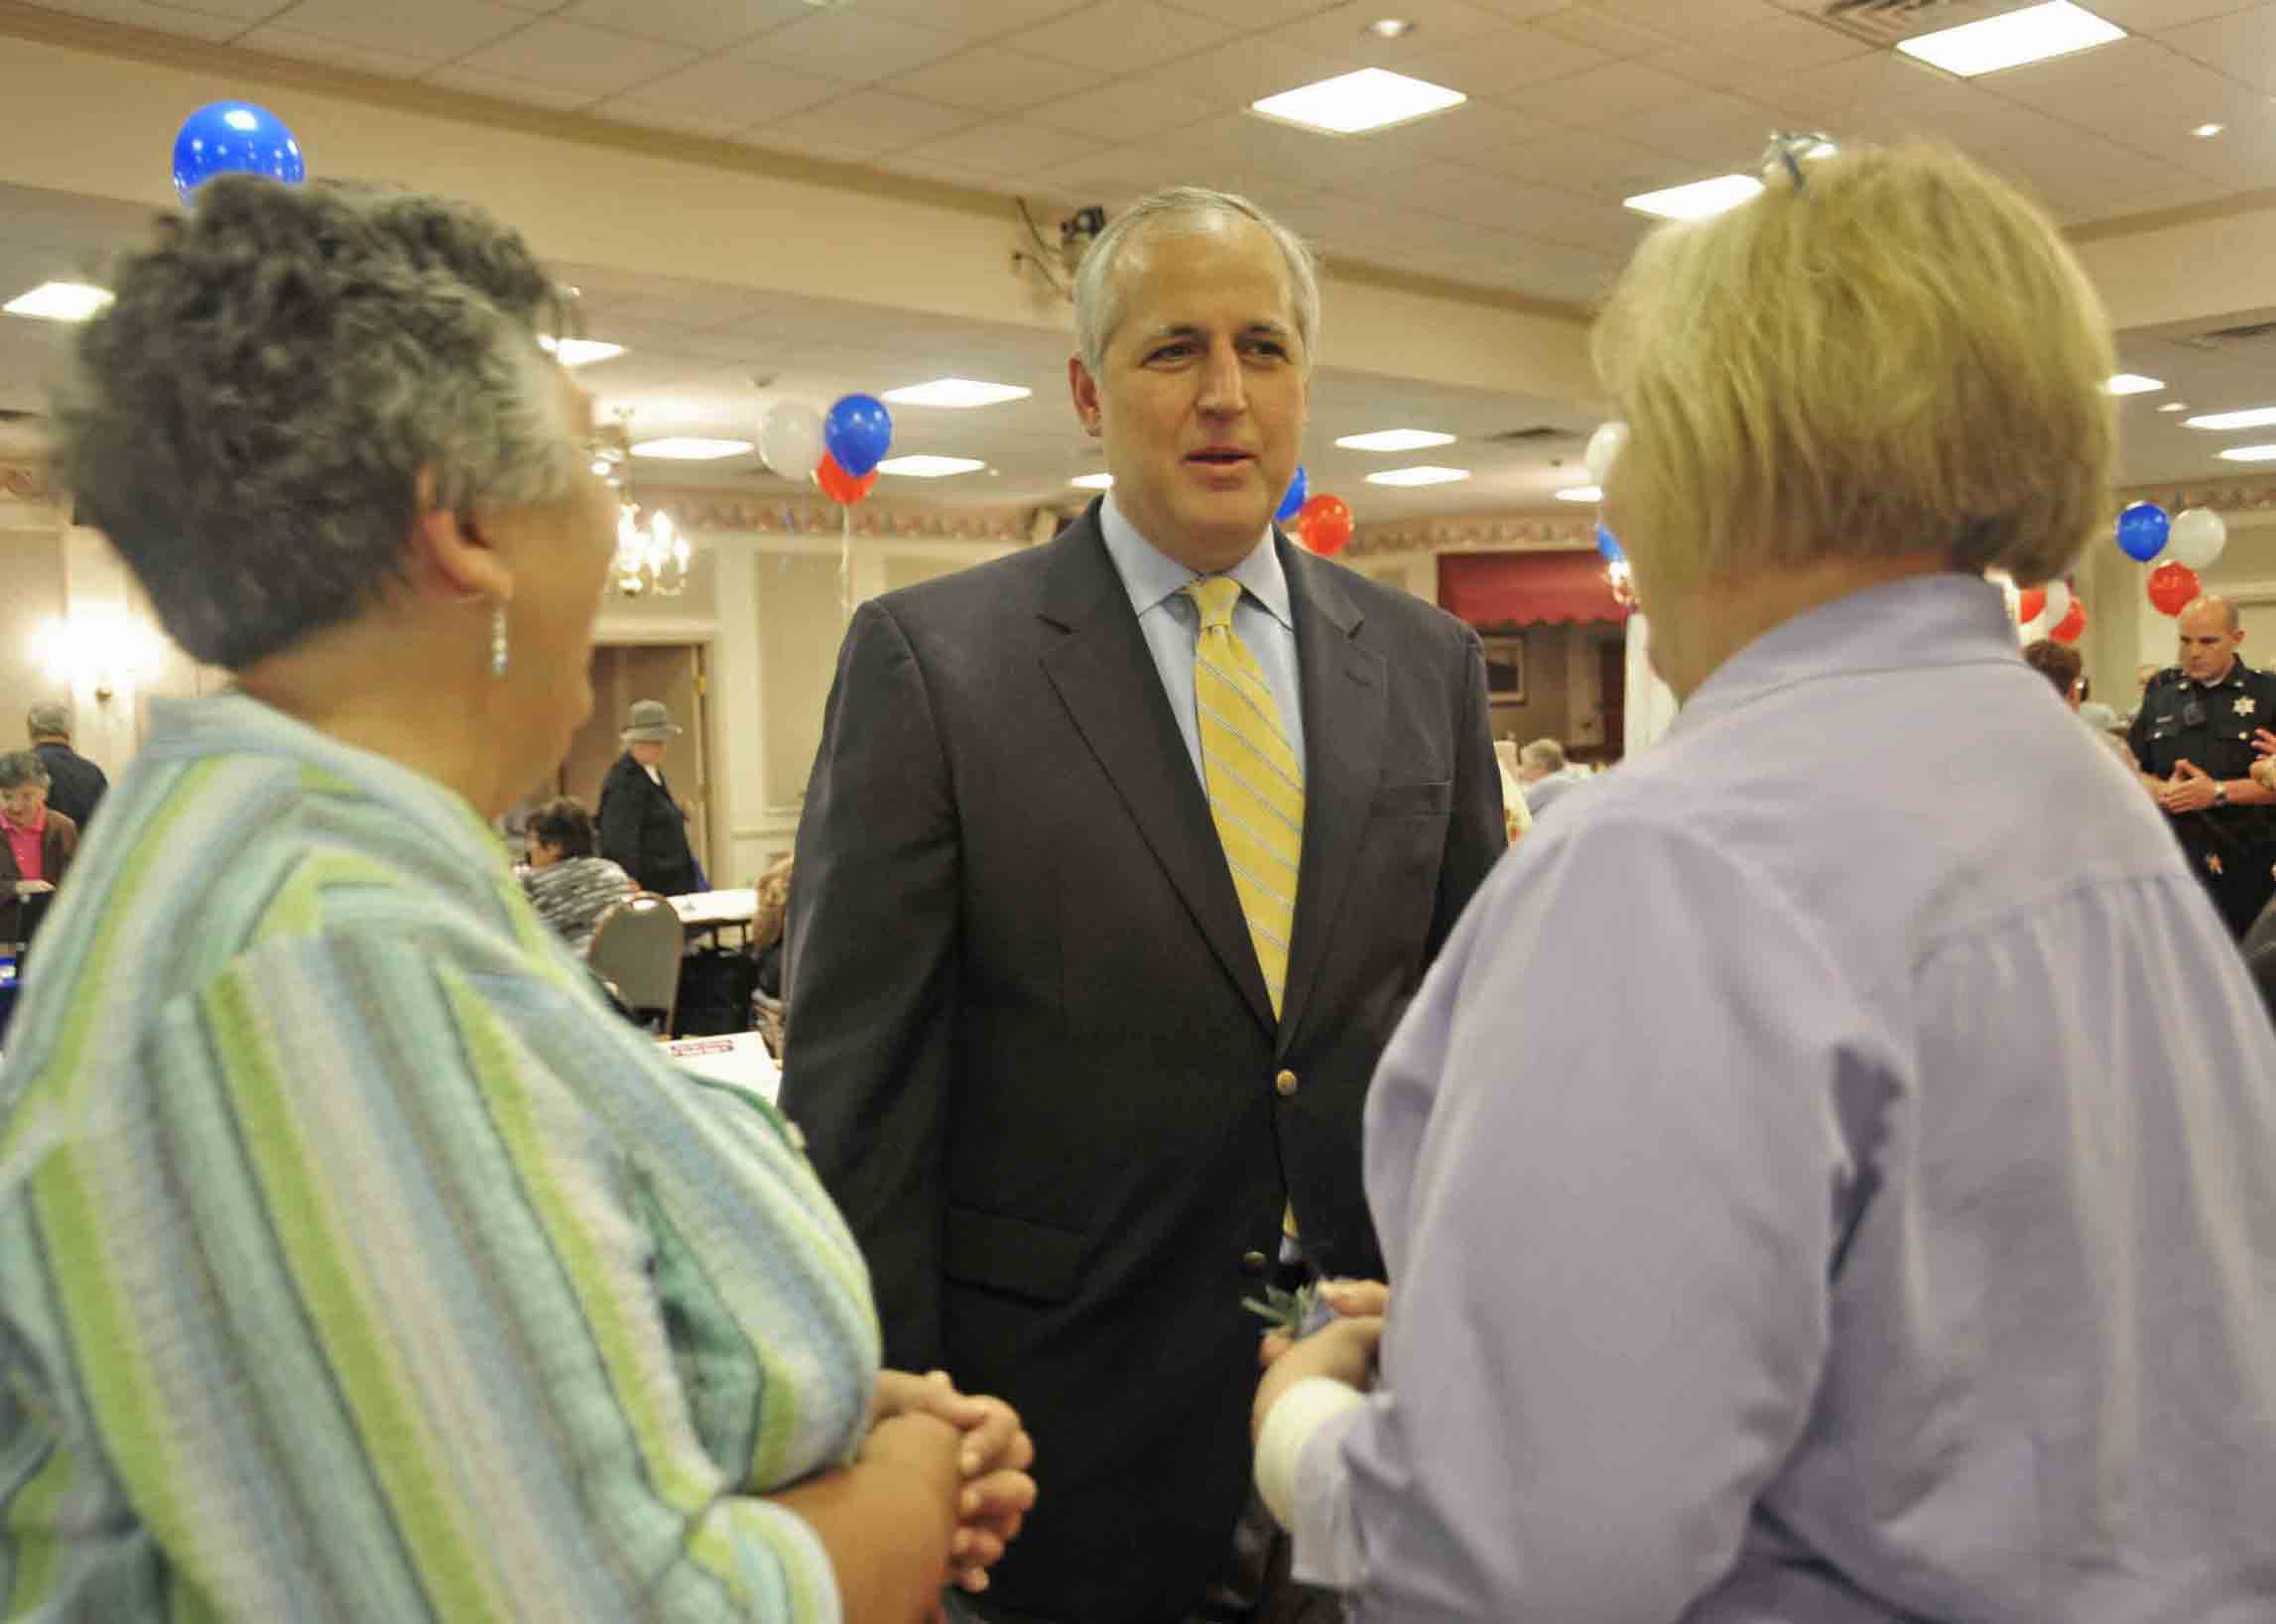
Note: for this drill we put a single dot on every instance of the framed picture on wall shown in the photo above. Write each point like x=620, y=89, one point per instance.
x=1504, y=670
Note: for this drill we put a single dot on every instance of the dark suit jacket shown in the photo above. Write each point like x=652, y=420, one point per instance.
x=20, y=917
x=74, y=784
x=643, y=830
x=1030, y=1045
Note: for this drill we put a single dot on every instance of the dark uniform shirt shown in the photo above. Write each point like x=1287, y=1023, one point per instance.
x=2210, y=726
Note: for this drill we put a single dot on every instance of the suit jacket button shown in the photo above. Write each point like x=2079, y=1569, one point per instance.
x=1286, y=1083
x=1254, y=1263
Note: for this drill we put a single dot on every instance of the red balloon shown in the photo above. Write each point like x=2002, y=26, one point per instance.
x=839, y=485
x=2067, y=629
x=2031, y=604
x=1325, y=523
x=2172, y=588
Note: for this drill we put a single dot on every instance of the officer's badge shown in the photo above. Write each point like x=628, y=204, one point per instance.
x=2245, y=706
x=2212, y=862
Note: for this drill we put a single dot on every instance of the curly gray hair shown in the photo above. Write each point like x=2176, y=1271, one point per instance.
x=21, y=766
x=1099, y=294
x=251, y=416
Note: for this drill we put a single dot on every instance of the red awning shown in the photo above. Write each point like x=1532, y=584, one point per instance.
x=1526, y=589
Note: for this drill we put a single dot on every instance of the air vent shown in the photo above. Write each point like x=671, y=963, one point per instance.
x=2223, y=337
x=1885, y=22
x=1532, y=435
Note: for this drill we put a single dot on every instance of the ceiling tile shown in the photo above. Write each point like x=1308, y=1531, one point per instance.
x=1003, y=147
x=1881, y=80
x=1521, y=11
x=1261, y=13
x=990, y=79
x=433, y=29
x=310, y=47
x=866, y=122
x=853, y=45
x=973, y=19
x=1132, y=34
x=708, y=25
x=1717, y=130
x=577, y=58
x=736, y=85
x=1786, y=42
x=2242, y=44
x=1508, y=59
x=1340, y=31
x=2163, y=16
x=243, y=11
x=1600, y=95
x=1705, y=21
x=164, y=19
x=1127, y=109
x=1613, y=35
x=674, y=120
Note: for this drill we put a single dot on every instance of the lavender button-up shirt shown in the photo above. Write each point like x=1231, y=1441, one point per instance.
x=1834, y=1181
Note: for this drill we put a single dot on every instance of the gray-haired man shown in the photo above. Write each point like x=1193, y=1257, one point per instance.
x=74, y=784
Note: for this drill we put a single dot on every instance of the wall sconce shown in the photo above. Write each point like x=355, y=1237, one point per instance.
x=101, y=651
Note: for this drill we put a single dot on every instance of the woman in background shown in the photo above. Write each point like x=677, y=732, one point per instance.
x=37, y=844
x=568, y=884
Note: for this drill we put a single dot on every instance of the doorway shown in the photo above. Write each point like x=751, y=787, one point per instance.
x=673, y=673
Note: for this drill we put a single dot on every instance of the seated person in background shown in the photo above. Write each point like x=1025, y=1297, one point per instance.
x=1542, y=769
x=2060, y=665
x=1516, y=816
x=569, y=887
x=361, y=1266
x=1880, y=1230
x=37, y=844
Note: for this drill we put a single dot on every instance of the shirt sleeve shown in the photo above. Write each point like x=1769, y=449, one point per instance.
x=1603, y=1149
x=387, y=1338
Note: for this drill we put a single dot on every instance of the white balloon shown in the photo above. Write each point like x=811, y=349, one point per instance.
x=1603, y=449
x=2196, y=536
x=790, y=439
x=2057, y=605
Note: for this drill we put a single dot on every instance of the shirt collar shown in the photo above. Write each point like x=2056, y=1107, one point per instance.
x=1943, y=619
x=2234, y=678
x=1151, y=576
x=14, y=827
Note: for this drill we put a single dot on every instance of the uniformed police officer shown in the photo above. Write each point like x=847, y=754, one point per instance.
x=2202, y=725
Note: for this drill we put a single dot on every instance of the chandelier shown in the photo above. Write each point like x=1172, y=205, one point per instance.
x=651, y=555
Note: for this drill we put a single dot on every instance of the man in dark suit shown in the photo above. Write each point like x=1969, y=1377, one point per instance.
x=1120, y=860
x=643, y=829
x=74, y=784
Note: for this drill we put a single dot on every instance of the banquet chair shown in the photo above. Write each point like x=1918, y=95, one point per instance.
x=636, y=949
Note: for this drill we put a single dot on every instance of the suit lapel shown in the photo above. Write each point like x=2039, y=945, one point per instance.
x=1106, y=678
x=1345, y=697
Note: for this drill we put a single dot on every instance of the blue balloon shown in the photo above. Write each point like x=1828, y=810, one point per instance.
x=1293, y=503
x=2142, y=531
x=234, y=138
x=1608, y=545
x=857, y=432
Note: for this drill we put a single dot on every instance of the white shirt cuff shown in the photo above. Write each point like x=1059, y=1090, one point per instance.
x=1302, y=1411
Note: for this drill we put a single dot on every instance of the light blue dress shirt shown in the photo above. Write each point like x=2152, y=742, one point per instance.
x=1831, y=1183
x=1172, y=625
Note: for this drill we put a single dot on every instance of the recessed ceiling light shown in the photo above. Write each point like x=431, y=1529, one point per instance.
x=1369, y=99
x=930, y=467
x=1395, y=440
x=578, y=352
x=1093, y=481
x=60, y=302
x=2250, y=453
x=2175, y=405
x=2258, y=417
x=1422, y=475
x=960, y=394
x=2033, y=33
x=1390, y=28
x=2132, y=383
x=2206, y=132
x=1581, y=493
x=1697, y=201
x=691, y=449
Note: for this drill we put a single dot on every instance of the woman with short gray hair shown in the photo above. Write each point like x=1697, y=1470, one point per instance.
x=365, y=1267
x=37, y=844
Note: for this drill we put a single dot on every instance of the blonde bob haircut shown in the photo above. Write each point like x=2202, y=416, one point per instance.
x=1892, y=354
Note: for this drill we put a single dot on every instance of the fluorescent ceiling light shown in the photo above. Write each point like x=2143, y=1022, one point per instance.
x=60, y=302
x=1093, y=481
x=1697, y=201
x=2175, y=405
x=2206, y=132
x=930, y=467
x=2250, y=453
x=2258, y=417
x=960, y=394
x=2033, y=33
x=2132, y=383
x=578, y=352
x=1423, y=475
x=1369, y=99
x=1394, y=440
x=1581, y=493
x=691, y=449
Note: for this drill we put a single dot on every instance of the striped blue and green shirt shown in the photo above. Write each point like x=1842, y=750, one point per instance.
x=356, y=1263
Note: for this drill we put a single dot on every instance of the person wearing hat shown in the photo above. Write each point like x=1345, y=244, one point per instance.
x=74, y=784
x=643, y=829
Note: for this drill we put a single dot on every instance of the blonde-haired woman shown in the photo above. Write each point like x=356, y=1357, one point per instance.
x=1834, y=1180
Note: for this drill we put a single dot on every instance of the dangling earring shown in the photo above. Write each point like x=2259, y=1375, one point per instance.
x=498, y=641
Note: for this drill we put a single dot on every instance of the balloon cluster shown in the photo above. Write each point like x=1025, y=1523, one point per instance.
x=837, y=450
x=2191, y=539
x=2052, y=610
x=1322, y=522
x=234, y=138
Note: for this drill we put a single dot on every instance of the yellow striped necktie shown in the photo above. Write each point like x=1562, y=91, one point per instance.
x=1254, y=782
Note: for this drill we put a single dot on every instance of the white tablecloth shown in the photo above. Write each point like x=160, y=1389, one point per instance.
x=736, y=1057
x=702, y=908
